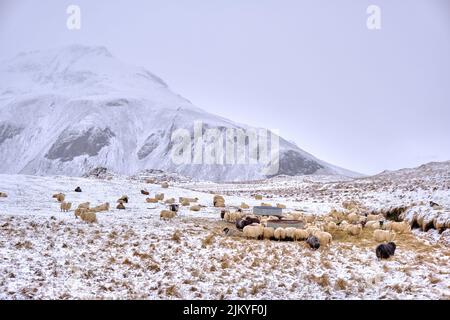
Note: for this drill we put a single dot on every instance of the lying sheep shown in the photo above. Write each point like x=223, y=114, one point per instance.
x=258, y=197
x=281, y=206
x=165, y=185
x=84, y=205
x=167, y=215
x=188, y=199
x=195, y=208
x=102, y=207
x=354, y=230
x=123, y=199
x=78, y=189
x=268, y=233
x=65, y=206
x=385, y=250
x=383, y=236
x=244, y=206
x=399, y=227
x=88, y=216
x=60, y=197
x=185, y=203
x=300, y=234
x=145, y=192
x=218, y=201
x=279, y=234
x=3, y=195
x=170, y=201
x=151, y=200
x=313, y=242
x=232, y=216
x=120, y=206
x=253, y=231
x=263, y=204
x=160, y=197
x=242, y=223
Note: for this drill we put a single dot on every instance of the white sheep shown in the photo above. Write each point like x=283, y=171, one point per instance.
x=400, y=227
x=268, y=233
x=354, y=230
x=331, y=226
x=65, y=206
x=88, y=216
x=300, y=234
x=373, y=225
x=383, y=236
x=324, y=237
x=84, y=205
x=3, y=195
x=253, y=231
x=289, y=233
x=279, y=234
x=352, y=217
x=167, y=215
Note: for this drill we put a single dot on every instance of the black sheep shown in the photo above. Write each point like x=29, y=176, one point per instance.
x=77, y=189
x=385, y=250
x=313, y=242
x=174, y=207
x=222, y=214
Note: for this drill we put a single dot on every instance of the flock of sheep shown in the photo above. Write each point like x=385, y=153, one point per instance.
x=318, y=231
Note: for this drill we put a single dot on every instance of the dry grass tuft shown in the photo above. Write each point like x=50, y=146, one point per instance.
x=208, y=240
x=176, y=236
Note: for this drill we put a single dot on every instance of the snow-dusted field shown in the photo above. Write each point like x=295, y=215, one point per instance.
x=132, y=254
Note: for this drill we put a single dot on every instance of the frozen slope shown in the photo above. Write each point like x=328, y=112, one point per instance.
x=68, y=110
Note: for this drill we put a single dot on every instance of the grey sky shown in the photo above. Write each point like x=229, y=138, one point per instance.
x=364, y=100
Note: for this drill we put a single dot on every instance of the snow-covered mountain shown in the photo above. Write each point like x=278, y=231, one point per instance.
x=68, y=110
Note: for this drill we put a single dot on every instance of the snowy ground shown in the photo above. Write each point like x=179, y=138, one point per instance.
x=132, y=254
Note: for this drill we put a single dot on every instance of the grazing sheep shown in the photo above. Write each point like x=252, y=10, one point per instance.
x=258, y=197
x=218, y=201
x=151, y=200
x=3, y=195
x=145, y=192
x=343, y=225
x=313, y=242
x=79, y=211
x=352, y=217
x=59, y=197
x=188, y=199
x=324, y=237
x=383, y=236
x=160, y=196
x=231, y=233
x=399, y=227
x=65, y=206
x=123, y=199
x=167, y=215
x=165, y=185
x=331, y=226
x=253, y=231
x=88, y=216
x=281, y=206
x=84, y=205
x=309, y=218
x=354, y=230
x=170, y=201
x=78, y=189
x=244, y=206
x=373, y=225
x=300, y=234
x=312, y=230
x=242, y=223
x=263, y=204
x=385, y=250
x=339, y=216
x=120, y=206
x=195, y=208
x=102, y=207
x=268, y=233
x=279, y=234
x=174, y=207
x=289, y=233
x=374, y=217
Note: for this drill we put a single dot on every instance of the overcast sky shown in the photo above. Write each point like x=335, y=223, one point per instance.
x=366, y=100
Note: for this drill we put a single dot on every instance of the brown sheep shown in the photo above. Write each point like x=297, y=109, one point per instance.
x=167, y=215
x=65, y=206
x=120, y=206
x=3, y=195
x=88, y=216
x=145, y=192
